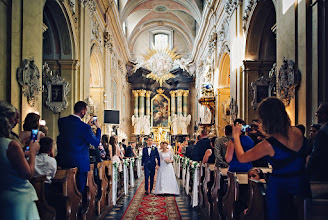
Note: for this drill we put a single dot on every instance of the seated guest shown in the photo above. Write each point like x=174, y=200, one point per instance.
x=17, y=194
x=32, y=121
x=209, y=156
x=231, y=158
x=201, y=146
x=318, y=163
x=256, y=174
x=220, y=147
x=107, y=147
x=45, y=164
x=285, y=151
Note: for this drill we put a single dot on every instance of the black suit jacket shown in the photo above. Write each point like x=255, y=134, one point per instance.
x=200, y=149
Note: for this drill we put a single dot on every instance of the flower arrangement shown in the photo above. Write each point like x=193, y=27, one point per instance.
x=167, y=161
x=132, y=161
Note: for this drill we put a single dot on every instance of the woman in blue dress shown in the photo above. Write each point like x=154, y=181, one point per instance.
x=284, y=148
x=247, y=143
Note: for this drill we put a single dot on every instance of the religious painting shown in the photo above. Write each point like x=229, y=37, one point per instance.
x=160, y=111
x=56, y=93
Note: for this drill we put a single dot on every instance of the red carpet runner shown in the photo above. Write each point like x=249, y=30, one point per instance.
x=151, y=206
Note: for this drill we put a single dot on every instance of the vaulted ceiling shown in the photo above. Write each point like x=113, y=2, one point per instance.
x=181, y=16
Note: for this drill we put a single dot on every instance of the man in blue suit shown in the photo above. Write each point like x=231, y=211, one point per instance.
x=149, y=154
x=73, y=142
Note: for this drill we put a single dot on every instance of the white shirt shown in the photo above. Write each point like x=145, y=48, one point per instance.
x=149, y=150
x=45, y=165
x=77, y=116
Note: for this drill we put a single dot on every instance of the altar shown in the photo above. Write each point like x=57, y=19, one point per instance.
x=161, y=93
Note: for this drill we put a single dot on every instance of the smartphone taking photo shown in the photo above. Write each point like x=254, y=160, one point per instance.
x=94, y=119
x=34, y=135
x=245, y=128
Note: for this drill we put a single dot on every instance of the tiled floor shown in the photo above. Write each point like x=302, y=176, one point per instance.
x=183, y=201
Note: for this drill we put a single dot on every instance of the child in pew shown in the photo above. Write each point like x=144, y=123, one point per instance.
x=256, y=174
x=45, y=164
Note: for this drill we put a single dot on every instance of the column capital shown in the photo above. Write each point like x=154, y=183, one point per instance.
x=148, y=93
x=185, y=92
x=135, y=93
x=173, y=93
x=142, y=92
x=179, y=92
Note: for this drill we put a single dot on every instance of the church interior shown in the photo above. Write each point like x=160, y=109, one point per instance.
x=166, y=70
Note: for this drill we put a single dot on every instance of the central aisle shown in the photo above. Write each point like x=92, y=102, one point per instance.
x=136, y=205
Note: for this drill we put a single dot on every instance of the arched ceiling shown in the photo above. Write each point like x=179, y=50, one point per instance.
x=182, y=16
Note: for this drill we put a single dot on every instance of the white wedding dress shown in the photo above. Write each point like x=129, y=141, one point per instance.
x=166, y=182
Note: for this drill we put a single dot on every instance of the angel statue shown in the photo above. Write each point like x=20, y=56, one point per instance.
x=136, y=123
x=145, y=124
x=184, y=122
x=174, y=124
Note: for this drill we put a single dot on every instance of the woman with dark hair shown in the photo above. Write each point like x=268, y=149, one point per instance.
x=17, y=195
x=285, y=153
x=32, y=121
x=209, y=156
x=247, y=143
x=107, y=147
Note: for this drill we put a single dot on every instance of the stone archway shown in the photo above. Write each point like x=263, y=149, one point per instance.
x=260, y=50
x=223, y=95
x=58, y=52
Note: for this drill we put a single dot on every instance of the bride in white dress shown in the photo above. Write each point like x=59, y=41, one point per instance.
x=166, y=182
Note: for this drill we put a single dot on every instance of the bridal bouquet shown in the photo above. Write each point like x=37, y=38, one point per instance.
x=167, y=161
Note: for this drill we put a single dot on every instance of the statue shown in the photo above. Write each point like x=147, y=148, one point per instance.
x=136, y=123
x=184, y=122
x=174, y=124
x=145, y=124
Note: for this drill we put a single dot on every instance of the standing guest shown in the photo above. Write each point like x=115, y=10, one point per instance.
x=285, y=152
x=190, y=148
x=44, y=129
x=257, y=137
x=318, y=163
x=220, y=147
x=209, y=156
x=124, y=145
x=17, y=194
x=184, y=145
x=116, y=152
x=73, y=141
x=149, y=156
x=236, y=165
x=313, y=133
x=13, y=123
x=140, y=149
x=130, y=150
x=45, y=164
x=201, y=146
x=107, y=147
x=32, y=121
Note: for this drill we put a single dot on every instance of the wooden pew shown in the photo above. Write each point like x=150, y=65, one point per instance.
x=229, y=199
x=90, y=203
x=66, y=198
x=256, y=201
x=206, y=190
x=46, y=211
x=120, y=185
x=200, y=186
x=103, y=195
x=317, y=207
x=216, y=199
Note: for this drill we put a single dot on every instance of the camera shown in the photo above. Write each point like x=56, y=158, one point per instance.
x=94, y=119
x=34, y=135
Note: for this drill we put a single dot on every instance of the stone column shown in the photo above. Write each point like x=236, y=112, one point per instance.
x=173, y=102
x=142, y=94
x=179, y=107
x=135, y=93
x=148, y=93
x=185, y=102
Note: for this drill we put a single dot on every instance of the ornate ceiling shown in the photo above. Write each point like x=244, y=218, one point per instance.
x=181, y=16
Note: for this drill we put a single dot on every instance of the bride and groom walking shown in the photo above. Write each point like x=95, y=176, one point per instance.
x=166, y=182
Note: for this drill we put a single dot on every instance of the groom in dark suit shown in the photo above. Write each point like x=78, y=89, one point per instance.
x=149, y=154
x=73, y=142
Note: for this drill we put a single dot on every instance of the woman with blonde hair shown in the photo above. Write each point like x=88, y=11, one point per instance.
x=17, y=195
